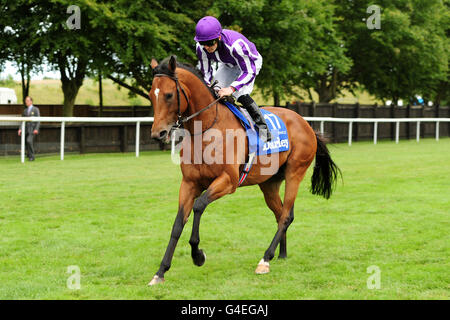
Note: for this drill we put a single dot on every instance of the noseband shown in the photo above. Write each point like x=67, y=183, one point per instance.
x=180, y=118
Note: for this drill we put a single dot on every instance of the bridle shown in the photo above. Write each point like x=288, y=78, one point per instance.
x=180, y=118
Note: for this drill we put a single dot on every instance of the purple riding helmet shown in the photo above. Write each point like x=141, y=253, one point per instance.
x=208, y=28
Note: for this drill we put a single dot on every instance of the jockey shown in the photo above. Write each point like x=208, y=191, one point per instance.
x=239, y=63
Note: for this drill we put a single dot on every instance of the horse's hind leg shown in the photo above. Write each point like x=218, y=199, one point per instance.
x=271, y=191
x=293, y=178
x=283, y=241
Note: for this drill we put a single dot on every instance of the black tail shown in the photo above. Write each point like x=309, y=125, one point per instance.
x=324, y=177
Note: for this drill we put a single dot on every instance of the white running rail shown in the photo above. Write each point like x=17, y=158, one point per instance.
x=140, y=120
x=375, y=121
x=63, y=121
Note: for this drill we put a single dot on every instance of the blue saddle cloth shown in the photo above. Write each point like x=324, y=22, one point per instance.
x=277, y=128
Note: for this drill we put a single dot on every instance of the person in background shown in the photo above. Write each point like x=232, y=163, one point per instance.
x=31, y=128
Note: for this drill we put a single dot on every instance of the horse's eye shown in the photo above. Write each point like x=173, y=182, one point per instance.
x=169, y=95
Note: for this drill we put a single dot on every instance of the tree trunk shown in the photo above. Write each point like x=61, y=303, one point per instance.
x=276, y=98
x=327, y=90
x=324, y=93
x=27, y=86
x=24, y=93
x=70, y=89
x=310, y=95
x=442, y=92
x=395, y=101
x=72, y=76
x=25, y=77
x=100, y=95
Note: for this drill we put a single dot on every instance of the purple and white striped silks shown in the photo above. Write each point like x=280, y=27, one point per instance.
x=234, y=50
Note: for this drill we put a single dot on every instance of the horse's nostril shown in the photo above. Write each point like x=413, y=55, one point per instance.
x=162, y=134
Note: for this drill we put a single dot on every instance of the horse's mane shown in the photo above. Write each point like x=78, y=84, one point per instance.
x=163, y=68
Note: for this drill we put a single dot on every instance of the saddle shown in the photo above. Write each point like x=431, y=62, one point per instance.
x=277, y=128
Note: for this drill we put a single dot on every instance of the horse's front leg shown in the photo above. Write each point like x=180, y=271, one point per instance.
x=220, y=187
x=198, y=256
x=188, y=193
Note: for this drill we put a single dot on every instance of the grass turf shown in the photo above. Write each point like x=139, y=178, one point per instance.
x=111, y=215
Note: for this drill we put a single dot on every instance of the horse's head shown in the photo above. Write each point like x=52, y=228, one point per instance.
x=166, y=100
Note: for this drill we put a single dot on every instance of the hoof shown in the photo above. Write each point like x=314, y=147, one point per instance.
x=156, y=280
x=263, y=267
x=200, y=258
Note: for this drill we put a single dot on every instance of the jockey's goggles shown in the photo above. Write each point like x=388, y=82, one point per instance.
x=208, y=43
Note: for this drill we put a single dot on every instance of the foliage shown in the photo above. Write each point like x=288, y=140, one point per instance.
x=295, y=38
x=319, y=44
x=145, y=29
x=76, y=53
x=19, y=42
x=407, y=56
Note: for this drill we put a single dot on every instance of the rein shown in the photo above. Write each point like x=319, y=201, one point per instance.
x=182, y=119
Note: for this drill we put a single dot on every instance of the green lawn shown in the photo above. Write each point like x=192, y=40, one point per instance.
x=111, y=215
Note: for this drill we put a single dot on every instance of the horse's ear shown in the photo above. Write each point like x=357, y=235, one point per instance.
x=154, y=63
x=173, y=63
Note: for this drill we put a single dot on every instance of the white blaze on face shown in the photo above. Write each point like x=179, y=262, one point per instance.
x=156, y=93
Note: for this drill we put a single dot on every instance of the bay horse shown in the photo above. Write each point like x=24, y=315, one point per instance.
x=179, y=95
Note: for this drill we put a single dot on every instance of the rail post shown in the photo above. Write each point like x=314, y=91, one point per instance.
x=418, y=131
x=63, y=133
x=22, y=143
x=397, y=131
x=138, y=127
x=437, y=130
x=350, y=132
x=375, y=132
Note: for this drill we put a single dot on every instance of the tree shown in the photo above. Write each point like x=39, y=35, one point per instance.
x=145, y=29
x=35, y=29
x=75, y=50
x=19, y=41
x=408, y=55
x=440, y=91
x=326, y=63
x=117, y=39
x=297, y=40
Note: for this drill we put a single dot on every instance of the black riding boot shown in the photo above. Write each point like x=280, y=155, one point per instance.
x=253, y=109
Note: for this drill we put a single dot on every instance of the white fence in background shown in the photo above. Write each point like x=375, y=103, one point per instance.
x=63, y=121
x=375, y=121
x=138, y=122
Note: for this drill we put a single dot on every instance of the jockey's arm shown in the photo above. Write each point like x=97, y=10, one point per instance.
x=247, y=66
x=228, y=91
